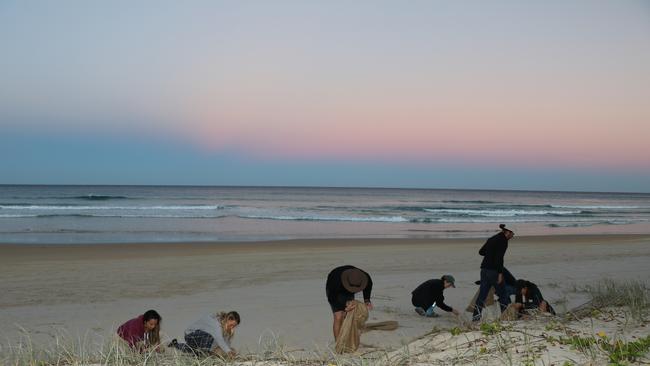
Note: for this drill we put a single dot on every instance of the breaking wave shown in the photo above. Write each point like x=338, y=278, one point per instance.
x=327, y=218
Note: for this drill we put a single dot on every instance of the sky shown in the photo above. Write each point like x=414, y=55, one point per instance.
x=550, y=95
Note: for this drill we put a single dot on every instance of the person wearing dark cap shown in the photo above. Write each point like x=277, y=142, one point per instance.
x=342, y=283
x=429, y=295
x=492, y=270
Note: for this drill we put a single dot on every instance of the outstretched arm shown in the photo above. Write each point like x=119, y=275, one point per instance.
x=440, y=302
x=221, y=343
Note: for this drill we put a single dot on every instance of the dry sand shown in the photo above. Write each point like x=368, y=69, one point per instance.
x=278, y=287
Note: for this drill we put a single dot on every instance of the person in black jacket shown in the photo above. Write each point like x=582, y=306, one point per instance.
x=342, y=283
x=429, y=295
x=529, y=297
x=493, y=252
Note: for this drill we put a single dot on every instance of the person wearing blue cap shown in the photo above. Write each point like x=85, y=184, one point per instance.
x=429, y=295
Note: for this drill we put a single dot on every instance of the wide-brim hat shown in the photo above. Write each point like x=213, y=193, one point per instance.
x=354, y=280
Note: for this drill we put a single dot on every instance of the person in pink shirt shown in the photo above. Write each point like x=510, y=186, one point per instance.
x=142, y=331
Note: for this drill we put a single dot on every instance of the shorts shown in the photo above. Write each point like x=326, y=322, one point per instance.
x=339, y=301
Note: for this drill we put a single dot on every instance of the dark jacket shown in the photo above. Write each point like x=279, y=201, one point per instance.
x=493, y=251
x=534, y=297
x=429, y=292
x=132, y=331
x=334, y=286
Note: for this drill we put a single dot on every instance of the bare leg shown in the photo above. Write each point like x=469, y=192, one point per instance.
x=338, y=321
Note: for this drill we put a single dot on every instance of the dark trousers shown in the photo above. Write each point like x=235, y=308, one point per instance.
x=197, y=342
x=489, y=278
x=420, y=303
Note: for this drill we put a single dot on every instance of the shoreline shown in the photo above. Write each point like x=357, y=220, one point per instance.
x=12, y=252
x=316, y=242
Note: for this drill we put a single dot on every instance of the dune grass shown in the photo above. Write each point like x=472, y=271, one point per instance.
x=67, y=350
x=633, y=295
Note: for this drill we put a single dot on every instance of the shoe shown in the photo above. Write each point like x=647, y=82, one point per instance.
x=430, y=313
x=420, y=311
x=173, y=343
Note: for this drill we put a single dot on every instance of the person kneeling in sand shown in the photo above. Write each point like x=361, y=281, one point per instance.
x=210, y=335
x=342, y=283
x=529, y=297
x=142, y=331
x=429, y=295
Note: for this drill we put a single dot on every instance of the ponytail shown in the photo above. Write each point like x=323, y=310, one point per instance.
x=504, y=229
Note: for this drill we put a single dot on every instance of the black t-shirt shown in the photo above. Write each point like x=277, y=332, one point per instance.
x=493, y=252
x=334, y=286
x=534, y=297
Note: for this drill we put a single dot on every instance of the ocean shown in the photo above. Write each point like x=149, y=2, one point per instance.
x=128, y=214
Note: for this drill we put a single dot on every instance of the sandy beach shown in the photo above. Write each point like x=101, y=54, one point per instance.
x=278, y=287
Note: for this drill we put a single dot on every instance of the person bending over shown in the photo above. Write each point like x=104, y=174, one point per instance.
x=142, y=331
x=210, y=335
x=342, y=283
x=529, y=297
x=430, y=294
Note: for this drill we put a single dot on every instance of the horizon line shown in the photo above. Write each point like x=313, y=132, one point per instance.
x=318, y=187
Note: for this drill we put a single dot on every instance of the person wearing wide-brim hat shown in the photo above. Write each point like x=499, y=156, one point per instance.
x=342, y=283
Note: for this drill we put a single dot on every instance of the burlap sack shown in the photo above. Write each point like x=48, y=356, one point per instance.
x=489, y=300
x=510, y=313
x=385, y=325
x=350, y=335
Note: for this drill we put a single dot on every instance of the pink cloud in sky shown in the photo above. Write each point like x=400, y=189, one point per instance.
x=470, y=135
x=572, y=117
